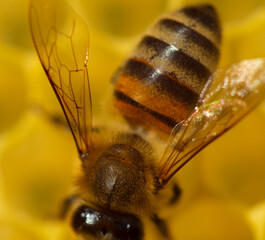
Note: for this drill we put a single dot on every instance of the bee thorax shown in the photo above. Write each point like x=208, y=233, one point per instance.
x=120, y=179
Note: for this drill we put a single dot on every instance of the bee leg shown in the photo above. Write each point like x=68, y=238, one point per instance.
x=55, y=118
x=61, y=121
x=67, y=204
x=176, y=194
x=162, y=226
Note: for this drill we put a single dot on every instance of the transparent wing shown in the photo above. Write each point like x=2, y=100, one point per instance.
x=230, y=94
x=61, y=39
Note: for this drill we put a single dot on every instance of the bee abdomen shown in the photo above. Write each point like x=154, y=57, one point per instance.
x=159, y=85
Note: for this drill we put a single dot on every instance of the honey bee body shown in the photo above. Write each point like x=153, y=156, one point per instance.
x=123, y=176
x=122, y=188
x=167, y=84
x=121, y=185
x=160, y=84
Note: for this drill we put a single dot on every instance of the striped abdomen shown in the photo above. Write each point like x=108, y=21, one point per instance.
x=159, y=85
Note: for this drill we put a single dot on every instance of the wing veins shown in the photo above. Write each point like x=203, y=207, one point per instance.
x=227, y=98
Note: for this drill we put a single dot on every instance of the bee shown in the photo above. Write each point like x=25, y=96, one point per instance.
x=169, y=85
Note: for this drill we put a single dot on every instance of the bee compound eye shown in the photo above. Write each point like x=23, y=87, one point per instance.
x=111, y=226
x=87, y=221
x=128, y=228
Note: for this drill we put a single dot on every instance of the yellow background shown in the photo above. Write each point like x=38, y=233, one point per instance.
x=223, y=187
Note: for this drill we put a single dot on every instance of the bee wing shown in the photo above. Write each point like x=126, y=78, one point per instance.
x=228, y=96
x=61, y=39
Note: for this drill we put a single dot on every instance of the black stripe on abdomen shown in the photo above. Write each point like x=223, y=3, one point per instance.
x=206, y=16
x=120, y=96
x=193, y=36
x=151, y=77
x=168, y=54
